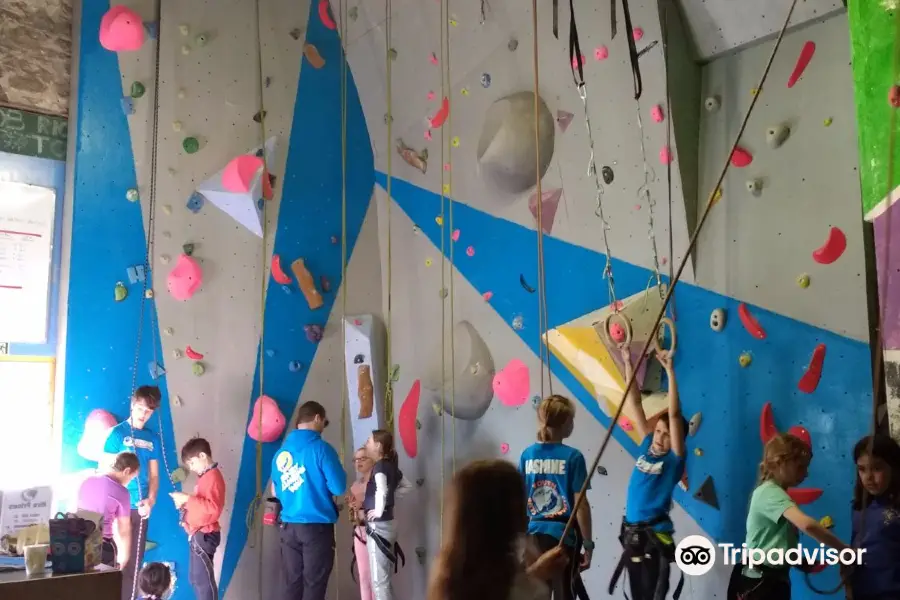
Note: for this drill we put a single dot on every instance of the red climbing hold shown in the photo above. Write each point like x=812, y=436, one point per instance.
x=741, y=158
x=767, y=429
x=441, y=115
x=192, y=354
x=327, y=21
x=816, y=568
x=804, y=495
x=832, y=249
x=806, y=54
x=894, y=96
x=750, y=323
x=810, y=379
x=278, y=273
x=802, y=433
x=406, y=420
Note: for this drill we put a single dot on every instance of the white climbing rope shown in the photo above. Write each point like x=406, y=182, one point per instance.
x=645, y=192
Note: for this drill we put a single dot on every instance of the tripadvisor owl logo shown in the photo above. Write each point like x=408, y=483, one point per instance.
x=695, y=555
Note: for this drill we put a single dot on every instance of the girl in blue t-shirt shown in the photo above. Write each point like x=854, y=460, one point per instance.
x=647, y=530
x=554, y=474
x=876, y=519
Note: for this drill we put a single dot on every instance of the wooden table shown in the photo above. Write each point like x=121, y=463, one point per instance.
x=96, y=585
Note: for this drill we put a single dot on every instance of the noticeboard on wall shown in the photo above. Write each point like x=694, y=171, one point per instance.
x=27, y=215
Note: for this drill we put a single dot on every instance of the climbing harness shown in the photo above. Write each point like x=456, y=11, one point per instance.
x=640, y=545
x=878, y=370
x=577, y=67
x=394, y=553
x=576, y=583
x=691, y=244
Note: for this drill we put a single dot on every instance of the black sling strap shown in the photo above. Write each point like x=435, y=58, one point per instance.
x=650, y=542
x=577, y=583
x=575, y=47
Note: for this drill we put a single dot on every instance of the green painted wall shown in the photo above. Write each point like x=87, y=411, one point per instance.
x=872, y=32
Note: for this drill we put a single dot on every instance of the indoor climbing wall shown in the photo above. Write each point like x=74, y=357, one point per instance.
x=217, y=265
x=873, y=37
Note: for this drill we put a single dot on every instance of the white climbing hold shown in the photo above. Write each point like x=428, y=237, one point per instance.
x=694, y=423
x=712, y=104
x=754, y=186
x=185, y=49
x=181, y=94
x=717, y=320
x=177, y=125
x=176, y=400
x=164, y=259
x=777, y=135
x=148, y=294
x=176, y=354
x=168, y=331
x=184, y=29
x=167, y=208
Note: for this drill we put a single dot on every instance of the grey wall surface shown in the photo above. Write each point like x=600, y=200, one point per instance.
x=754, y=248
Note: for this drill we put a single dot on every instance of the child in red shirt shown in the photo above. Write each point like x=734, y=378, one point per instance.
x=200, y=516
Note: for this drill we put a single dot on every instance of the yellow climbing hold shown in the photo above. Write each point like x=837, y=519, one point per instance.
x=826, y=522
x=446, y=188
x=121, y=292
x=745, y=359
x=698, y=451
x=803, y=281
x=455, y=142
x=464, y=91
x=453, y=22
x=439, y=220
x=754, y=91
x=428, y=262
x=827, y=122
x=717, y=196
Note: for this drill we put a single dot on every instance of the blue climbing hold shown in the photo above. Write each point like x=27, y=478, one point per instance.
x=195, y=202
x=295, y=366
x=152, y=28
x=135, y=274
x=127, y=105
x=259, y=204
x=270, y=353
x=286, y=289
x=156, y=370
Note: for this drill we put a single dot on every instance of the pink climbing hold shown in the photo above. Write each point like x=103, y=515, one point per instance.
x=617, y=333
x=428, y=134
x=638, y=34
x=656, y=113
x=549, y=206
x=601, y=53
x=487, y=296
x=455, y=235
x=504, y=448
x=665, y=155
x=512, y=383
x=96, y=428
x=470, y=251
x=430, y=96
x=564, y=119
x=240, y=172
x=185, y=279
x=625, y=424
x=121, y=30
x=741, y=157
x=267, y=413
x=575, y=61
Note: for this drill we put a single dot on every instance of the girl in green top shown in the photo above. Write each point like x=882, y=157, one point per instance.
x=773, y=521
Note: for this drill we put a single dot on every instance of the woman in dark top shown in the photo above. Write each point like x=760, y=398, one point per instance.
x=381, y=532
x=876, y=519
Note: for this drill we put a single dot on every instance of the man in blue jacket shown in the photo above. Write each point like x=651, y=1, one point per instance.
x=306, y=475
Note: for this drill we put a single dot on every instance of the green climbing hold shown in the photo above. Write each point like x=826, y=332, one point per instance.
x=190, y=144
x=179, y=475
x=395, y=373
x=353, y=13
x=132, y=195
x=150, y=545
x=393, y=54
x=137, y=89
x=188, y=249
x=198, y=369
x=121, y=291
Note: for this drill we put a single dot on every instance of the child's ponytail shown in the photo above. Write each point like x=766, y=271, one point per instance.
x=554, y=415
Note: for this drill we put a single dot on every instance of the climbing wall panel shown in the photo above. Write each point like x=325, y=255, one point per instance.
x=366, y=376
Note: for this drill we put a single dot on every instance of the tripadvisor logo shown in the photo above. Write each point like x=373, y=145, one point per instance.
x=696, y=555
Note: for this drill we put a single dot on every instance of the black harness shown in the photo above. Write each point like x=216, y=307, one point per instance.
x=394, y=554
x=579, y=591
x=640, y=543
x=768, y=573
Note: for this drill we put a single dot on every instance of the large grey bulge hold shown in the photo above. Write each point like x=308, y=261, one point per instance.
x=507, y=145
x=468, y=393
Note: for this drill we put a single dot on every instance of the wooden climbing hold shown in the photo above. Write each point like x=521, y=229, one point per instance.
x=307, y=284
x=365, y=391
x=417, y=160
x=313, y=57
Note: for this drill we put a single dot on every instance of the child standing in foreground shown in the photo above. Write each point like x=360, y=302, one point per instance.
x=154, y=581
x=202, y=510
x=379, y=504
x=554, y=474
x=876, y=519
x=774, y=520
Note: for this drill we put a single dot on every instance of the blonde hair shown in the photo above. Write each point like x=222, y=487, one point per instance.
x=779, y=451
x=554, y=414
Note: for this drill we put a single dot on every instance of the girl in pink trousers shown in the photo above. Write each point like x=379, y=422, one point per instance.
x=364, y=466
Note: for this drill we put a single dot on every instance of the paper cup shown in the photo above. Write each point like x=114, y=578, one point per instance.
x=36, y=559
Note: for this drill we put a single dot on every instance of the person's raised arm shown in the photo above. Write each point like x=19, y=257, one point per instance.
x=676, y=424
x=335, y=476
x=633, y=398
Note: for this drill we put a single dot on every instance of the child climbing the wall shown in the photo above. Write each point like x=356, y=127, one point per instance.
x=554, y=474
x=485, y=527
x=355, y=499
x=646, y=532
x=876, y=519
x=132, y=435
x=106, y=493
x=154, y=581
x=202, y=510
x=774, y=519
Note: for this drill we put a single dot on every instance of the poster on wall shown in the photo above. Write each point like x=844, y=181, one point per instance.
x=22, y=508
x=27, y=214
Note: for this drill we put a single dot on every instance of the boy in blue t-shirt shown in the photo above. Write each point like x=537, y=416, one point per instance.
x=131, y=436
x=554, y=474
x=647, y=529
x=306, y=476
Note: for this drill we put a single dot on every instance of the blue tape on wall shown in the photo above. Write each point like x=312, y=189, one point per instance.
x=108, y=237
x=309, y=215
x=48, y=173
x=710, y=379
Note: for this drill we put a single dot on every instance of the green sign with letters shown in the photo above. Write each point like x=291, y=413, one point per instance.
x=31, y=134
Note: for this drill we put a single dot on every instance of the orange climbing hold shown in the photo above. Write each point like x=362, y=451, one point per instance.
x=278, y=273
x=441, y=115
x=810, y=379
x=832, y=249
x=406, y=420
x=313, y=57
x=750, y=323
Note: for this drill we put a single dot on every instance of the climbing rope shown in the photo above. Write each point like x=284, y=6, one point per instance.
x=391, y=372
x=668, y=117
x=443, y=230
x=451, y=229
x=671, y=289
x=543, y=318
x=878, y=368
